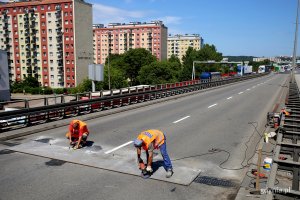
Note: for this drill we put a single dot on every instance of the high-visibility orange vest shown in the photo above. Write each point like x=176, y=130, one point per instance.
x=150, y=136
x=77, y=133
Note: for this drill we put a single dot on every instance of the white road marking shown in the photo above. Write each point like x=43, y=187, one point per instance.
x=212, y=105
x=241, y=92
x=119, y=147
x=229, y=98
x=248, y=89
x=181, y=119
x=254, y=87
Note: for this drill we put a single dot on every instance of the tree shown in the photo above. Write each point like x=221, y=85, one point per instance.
x=158, y=73
x=174, y=58
x=134, y=60
x=85, y=85
x=188, y=58
x=117, y=78
x=209, y=52
x=31, y=82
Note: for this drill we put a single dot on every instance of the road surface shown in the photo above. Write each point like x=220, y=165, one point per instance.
x=41, y=166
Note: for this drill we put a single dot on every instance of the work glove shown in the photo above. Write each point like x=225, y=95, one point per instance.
x=149, y=169
x=141, y=160
x=72, y=143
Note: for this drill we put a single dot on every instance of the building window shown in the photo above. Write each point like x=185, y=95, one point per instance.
x=52, y=77
x=49, y=14
x=66, y=6
x=42, y=8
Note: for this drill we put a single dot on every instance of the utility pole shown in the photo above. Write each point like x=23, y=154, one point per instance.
x=295, y=45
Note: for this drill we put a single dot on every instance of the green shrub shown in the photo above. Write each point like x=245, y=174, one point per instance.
x=58, y=90
x=47, y=90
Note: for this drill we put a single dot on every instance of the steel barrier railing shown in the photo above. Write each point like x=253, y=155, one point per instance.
x=287, y=145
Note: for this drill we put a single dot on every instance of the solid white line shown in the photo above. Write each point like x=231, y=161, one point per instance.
x=181, y=119
x=241, y=92
x=119, y=147
x=212, y=105
x=229, y=98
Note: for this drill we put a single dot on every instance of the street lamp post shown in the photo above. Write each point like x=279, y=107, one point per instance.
x=295, y=45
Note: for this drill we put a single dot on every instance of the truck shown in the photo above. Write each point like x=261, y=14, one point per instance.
x=263, y=69
x=244, y=70
x=204, y=76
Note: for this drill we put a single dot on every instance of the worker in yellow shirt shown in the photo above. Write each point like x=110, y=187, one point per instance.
x=150, y=140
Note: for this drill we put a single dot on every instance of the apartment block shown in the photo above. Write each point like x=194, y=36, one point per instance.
x=118, y=38
x=178, y=44
x=47, y=39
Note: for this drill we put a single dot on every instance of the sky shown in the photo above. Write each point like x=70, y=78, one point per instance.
x=235, y=27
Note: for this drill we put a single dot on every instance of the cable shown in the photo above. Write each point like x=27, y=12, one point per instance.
x=217, y=150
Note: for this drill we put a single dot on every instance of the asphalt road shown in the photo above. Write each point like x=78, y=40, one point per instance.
x=218, y=118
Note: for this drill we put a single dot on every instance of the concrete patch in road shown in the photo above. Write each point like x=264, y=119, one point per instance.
x=122, y=161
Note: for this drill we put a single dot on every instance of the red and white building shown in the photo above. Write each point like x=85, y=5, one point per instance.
x=118, y=38
x=47, y=39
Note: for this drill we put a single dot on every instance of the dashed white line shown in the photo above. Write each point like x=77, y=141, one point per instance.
x=229, y=98
x=119, y=147
x=181, y=119
x=241, y=92
x=212, y=105
x=248, y=89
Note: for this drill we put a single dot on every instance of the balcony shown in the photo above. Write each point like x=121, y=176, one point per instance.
x=27, y=55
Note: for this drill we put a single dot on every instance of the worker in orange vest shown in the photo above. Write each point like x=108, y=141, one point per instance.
x=78, y=133
x=150, y=140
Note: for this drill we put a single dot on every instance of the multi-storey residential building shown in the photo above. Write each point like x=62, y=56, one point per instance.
x=47, y=39
x=118, y=38
x=178, y=44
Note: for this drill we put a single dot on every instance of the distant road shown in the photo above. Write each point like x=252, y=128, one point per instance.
x=218, y=118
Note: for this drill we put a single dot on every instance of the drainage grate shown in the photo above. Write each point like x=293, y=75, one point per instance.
x=208, y=180
x=44, y=140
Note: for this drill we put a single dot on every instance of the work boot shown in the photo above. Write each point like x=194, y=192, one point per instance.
x=169, y=173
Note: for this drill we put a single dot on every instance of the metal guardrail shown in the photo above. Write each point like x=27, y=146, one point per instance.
x=29, y=116
x=287, y=145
